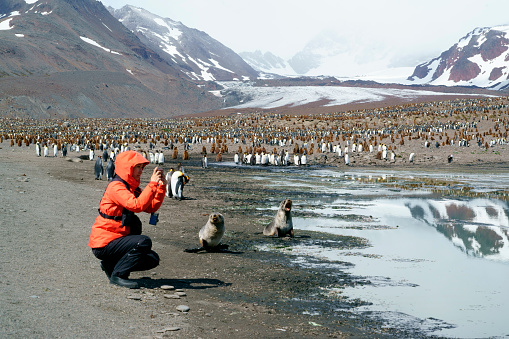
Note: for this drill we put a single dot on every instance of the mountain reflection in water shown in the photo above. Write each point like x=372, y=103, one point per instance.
x=478, y=227
x=450, y=283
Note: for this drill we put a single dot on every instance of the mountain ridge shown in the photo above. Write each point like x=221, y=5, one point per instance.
x=45, y=40
x=193, y=52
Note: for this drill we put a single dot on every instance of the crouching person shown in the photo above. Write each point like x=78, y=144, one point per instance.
x=116, y=237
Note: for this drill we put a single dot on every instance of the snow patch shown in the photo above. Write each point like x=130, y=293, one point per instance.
x=5, y=25
x=174, y=33
x=94, y=43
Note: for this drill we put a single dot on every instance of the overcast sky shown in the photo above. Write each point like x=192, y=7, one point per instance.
x=283, y=27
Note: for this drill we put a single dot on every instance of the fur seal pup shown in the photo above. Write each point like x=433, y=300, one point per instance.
x=282, y=224
x=210, y=235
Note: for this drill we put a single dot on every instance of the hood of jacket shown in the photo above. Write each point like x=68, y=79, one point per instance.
x=124, y=164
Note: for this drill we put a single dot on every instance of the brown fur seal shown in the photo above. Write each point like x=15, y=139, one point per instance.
x=282, y=224
x=210, y=235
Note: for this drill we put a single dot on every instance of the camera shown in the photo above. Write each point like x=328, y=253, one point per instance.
x=154, y=218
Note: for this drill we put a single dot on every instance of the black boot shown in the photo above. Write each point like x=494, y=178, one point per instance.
x=116, y=280
x=104, y=267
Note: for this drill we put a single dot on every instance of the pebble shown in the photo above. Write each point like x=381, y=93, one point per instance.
x=179, y=290
x=134, y=297
x=181, y=294
x=171, y=296
x=167, y=287
x=168, y=329
x=183, y=308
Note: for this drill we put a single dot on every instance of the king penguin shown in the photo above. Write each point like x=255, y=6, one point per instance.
x=110, y=169
x=98, y=168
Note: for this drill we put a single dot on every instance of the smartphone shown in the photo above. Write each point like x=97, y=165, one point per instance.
x=154, y=218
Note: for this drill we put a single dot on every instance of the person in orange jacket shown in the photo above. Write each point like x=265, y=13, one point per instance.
x=116, y=237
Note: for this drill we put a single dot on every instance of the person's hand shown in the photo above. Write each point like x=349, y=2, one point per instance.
x=158, y=176
x=163, y=177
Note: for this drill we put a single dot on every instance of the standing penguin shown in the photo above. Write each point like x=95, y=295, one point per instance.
x=64, y=150
x=98, y=168
x=236, y=158
x=204, y=161
x=91, y=154
x=106, y=156
x=296, y=160
x=168, y=182
x=110, y=170
x=177, y=185
x=411, y=157
x=161, y=158
x=38, y=149
x=303, y=159
x=55, y=150
x=46, y=151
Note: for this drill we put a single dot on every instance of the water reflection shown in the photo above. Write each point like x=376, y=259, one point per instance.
x=418, y=239
x=478, y=227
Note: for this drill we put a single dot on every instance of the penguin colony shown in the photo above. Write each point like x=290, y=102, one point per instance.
x=408, y=134
x=384, y=135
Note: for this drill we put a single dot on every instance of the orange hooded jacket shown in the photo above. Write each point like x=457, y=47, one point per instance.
x=117, y=196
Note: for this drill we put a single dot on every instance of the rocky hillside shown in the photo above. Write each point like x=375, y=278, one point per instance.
x=65, y=58
x=481, y=59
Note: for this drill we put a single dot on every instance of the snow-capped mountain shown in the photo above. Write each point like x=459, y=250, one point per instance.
x=481, y=59
x=268, y=63
x=193, y=52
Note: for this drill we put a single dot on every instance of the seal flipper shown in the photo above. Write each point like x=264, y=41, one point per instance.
x=218, y=248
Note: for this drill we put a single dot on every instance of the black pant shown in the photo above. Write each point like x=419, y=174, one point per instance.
x=127, y=254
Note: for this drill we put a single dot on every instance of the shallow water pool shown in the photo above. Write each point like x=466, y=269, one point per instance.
x=438, y=257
